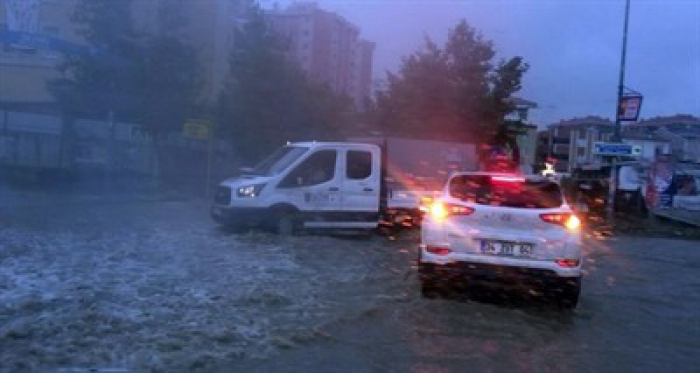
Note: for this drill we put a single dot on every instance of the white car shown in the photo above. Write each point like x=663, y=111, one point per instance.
x=505, y=228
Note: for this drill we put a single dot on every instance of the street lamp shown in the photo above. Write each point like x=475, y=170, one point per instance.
x=617, y=131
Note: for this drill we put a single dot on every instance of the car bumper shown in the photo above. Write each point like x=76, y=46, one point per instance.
x=463, y=272
x=228, y=215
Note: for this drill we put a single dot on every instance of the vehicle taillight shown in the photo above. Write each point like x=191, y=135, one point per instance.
x=567, y=263
x=570, y=221
x=440, y=210
x=437, y=250
x=508, y=179
x=425, y=203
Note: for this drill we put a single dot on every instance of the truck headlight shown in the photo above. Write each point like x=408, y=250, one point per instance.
x=249, y=190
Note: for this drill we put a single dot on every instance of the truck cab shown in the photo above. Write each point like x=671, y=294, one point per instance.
x=305, y=185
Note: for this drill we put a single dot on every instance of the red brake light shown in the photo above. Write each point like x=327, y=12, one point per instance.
x=438, y=250
x=508, y=179
x=570, y=221
x=567, y=263
x=440, y=210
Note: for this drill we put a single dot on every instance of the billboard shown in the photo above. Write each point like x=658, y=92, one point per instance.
x=629, y=108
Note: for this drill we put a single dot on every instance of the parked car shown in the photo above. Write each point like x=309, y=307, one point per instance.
x=503, y=228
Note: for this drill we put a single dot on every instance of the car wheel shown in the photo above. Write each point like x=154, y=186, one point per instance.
x=568, y=292
x=429, y=288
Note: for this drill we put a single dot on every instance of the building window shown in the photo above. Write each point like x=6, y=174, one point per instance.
x=581, y=133
x=581, y=151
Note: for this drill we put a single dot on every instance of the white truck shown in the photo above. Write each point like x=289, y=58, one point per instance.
x=339, y=185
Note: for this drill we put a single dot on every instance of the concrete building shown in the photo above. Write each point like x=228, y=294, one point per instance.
x=35, y=34
x=209, y=25
x=570, y=142
x=681, y=131
x=328, y=48
x=651, y=146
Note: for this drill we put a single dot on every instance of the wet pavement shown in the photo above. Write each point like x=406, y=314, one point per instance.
x=155, y=286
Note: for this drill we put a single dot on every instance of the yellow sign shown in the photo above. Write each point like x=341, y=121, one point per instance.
x=197, y=129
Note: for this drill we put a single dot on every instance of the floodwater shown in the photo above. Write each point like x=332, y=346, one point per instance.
x=153, y=285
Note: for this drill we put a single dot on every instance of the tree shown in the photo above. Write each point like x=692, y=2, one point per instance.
x=269, y=100
x=99, y=82
x=453, y=92
x=148, y=76
x=102, y=80
x=168, y=74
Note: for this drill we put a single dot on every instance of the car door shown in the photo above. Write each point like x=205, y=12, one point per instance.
x=314, y=185
x=361, y=183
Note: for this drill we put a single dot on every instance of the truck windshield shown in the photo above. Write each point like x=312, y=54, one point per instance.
x=279, y=160
x=507, y=192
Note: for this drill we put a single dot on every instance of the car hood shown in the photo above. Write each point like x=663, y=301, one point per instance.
x=237, y=182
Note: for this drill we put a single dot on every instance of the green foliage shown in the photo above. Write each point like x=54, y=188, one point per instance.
x=168, y=74
x=150, y=78
x=455, y=92
x=269, y=100
x=103, y=80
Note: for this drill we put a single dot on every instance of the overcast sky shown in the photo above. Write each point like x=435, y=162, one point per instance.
x=573, y=46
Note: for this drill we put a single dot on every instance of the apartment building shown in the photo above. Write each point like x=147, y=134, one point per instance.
x=328, y=48
x=570, y=142
x=35, y=34
x=681, y=132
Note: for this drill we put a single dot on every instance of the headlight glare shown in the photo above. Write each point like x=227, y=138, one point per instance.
x=249, y=190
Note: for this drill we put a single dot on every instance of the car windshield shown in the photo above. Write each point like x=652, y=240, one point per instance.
x=279, y=160
x=506, y=191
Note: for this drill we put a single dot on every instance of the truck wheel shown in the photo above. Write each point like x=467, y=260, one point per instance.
x=285, y=224
x=568, y=292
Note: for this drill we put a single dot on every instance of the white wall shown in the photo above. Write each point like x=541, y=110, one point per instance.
x=649, y=147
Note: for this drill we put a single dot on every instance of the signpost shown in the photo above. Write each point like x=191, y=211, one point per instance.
x=616, y=149
x=201, y=129
x=622, y=107
x=196, y=129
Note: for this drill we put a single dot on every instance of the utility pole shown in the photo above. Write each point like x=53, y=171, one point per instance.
x=617, y=135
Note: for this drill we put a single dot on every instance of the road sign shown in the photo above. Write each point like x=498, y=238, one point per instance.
x=616, y=149
x=197, y=129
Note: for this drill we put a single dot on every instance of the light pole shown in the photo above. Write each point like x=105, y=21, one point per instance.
x=617, y=130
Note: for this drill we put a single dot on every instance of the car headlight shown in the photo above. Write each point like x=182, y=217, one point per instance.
x=249, y=190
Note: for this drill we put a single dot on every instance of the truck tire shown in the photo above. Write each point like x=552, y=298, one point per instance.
x=568, y=292
x=284, y=224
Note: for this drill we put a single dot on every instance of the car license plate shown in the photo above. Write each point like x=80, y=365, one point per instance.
x=506, y=248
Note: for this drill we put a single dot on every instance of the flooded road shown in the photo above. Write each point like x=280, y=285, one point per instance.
x=155, y=286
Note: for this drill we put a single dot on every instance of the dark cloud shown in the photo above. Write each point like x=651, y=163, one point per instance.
x=573, y=46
